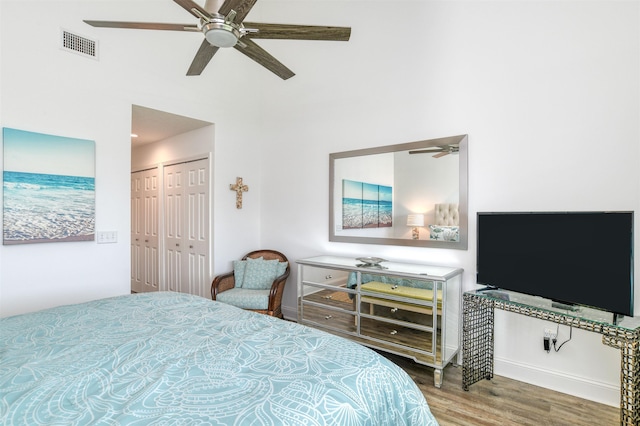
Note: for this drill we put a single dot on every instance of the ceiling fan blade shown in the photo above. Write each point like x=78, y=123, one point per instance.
x=428, y=151
x=202, y=58
x=242, y=8
x=298, y=32
x=143, y=25
x=258, y=54
x=441, y=154
x=189, y=5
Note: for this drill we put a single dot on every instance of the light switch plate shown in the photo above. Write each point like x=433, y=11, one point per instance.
x=107, y=237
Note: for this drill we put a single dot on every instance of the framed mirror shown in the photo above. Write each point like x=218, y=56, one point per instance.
x=410, y=194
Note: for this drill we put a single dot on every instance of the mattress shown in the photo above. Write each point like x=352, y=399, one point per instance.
x=172, y=358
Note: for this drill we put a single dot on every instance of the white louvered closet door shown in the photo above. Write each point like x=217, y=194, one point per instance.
x=186, y=189
x=144, y=231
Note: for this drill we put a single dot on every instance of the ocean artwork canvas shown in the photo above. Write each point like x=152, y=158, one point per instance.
x=366, y=205
x=48, y=188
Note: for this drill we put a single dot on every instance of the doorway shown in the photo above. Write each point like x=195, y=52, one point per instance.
x=170, y=202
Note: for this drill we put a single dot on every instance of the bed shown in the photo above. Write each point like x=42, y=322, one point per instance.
x=173, y=358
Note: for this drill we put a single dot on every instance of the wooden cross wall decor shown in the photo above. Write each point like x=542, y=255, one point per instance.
x=239, y=188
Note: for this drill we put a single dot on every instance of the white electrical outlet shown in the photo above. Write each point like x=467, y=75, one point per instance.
x=550, y=333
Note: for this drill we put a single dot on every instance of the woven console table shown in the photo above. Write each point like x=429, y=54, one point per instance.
x=478, y=337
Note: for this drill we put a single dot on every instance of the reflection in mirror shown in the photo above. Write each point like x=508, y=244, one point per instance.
x=411, y=194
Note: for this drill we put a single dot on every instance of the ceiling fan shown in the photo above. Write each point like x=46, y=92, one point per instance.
x=440, y=151
x=223, y=26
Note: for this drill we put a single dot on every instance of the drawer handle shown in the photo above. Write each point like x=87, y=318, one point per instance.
x=328, y=297
x=393, y=332
x=394, y=287
x=394, y=310
x=328, y=277
x=327, y=317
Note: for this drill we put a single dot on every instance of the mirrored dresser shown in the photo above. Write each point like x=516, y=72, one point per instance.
x=408, y=309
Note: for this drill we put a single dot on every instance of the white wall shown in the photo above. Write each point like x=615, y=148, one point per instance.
x=547, y=91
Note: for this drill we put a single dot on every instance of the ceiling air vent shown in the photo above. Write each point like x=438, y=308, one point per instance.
x=78, y=44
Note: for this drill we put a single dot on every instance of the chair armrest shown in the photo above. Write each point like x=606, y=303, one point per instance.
x=222, y=283
x=277, y=291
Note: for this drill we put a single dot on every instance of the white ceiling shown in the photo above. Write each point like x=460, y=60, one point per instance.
x=152, y=125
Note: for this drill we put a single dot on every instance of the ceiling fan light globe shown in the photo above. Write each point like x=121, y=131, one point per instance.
x=221, y=38
x=220, y=34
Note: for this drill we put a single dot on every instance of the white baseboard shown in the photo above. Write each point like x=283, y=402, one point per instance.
x=581, y=387
x=290, y=313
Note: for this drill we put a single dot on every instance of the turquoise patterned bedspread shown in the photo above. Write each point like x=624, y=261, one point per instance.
x=172, y=358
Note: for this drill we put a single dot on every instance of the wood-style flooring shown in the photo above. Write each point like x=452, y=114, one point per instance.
x=502, y=401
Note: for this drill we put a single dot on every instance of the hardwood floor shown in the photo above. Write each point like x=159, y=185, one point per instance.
x=502, y=401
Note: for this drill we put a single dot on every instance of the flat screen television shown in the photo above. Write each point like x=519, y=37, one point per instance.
x=575, y=258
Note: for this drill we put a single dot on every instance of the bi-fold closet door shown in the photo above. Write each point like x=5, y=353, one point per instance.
x=173, y=235
x=144, y=230
x=186, y=227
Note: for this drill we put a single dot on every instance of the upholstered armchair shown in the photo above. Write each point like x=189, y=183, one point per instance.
x=256, y=282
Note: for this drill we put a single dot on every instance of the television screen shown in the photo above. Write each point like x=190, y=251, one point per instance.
x=583, y=258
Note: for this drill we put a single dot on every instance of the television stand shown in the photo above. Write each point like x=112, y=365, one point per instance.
x=478, y=334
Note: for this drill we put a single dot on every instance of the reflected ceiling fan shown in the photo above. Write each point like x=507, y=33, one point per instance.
x=440, y=151
x=223, y=26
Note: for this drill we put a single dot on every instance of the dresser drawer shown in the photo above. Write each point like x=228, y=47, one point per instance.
x=324, y=276
x=412, y=292
x=406, y=335
x=325, y=317
x=337, y=298
x=414, y=313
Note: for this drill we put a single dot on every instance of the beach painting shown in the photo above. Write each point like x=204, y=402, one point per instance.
x=366, y=205
x=48, y=188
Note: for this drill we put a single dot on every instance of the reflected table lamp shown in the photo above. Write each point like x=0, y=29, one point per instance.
x=416, y=221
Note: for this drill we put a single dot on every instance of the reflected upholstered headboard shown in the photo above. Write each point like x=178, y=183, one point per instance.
x=447, y=215
x=447, y=220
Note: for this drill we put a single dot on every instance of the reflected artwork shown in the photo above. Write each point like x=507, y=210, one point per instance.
x=366, y=205
x=49, y=188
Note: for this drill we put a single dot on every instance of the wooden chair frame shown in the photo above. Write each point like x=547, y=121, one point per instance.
x=227, y=281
